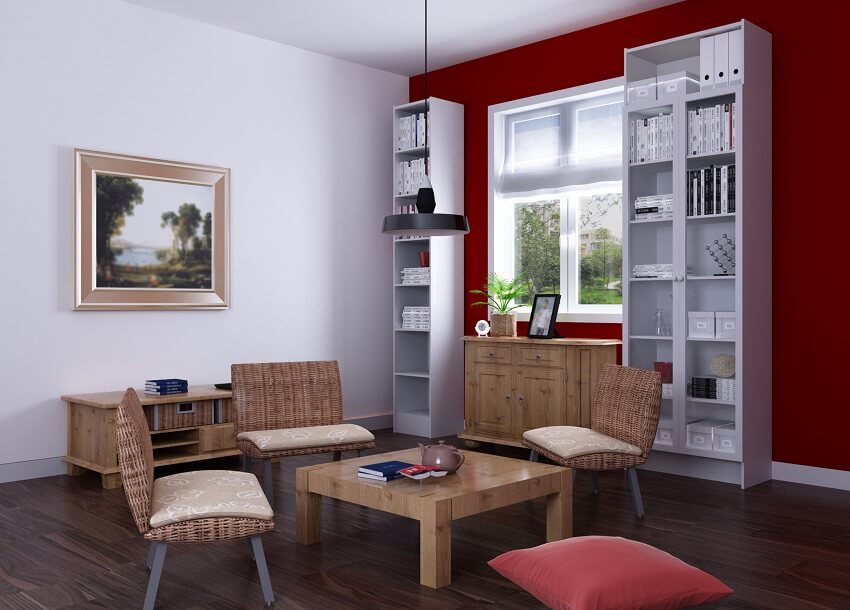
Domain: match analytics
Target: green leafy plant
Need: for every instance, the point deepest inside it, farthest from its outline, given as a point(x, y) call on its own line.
point(501, 292)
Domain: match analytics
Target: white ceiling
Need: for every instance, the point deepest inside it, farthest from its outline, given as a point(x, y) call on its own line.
point(389, 34)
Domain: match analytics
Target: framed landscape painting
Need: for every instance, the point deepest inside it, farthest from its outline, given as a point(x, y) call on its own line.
point(150, 234)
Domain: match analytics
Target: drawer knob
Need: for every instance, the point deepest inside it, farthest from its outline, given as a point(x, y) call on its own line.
point(492, 355)
point(522, 397)
point(537, 357)
point(507, 396)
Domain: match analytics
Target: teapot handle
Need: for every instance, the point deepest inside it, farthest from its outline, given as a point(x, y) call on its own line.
point(462, 458)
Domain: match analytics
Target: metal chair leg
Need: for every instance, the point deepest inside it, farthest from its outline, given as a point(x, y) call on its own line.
point(246, 463)
point(337, 456)
point(359, 451)
point(635, 487)
point(151, 553)
point(594, 481)
point(533, 456)
point(262, 569)
point(158, 551)
point(251, 549)
point(268, 483)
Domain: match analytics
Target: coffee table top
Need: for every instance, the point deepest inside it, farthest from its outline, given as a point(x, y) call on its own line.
point(483, 482)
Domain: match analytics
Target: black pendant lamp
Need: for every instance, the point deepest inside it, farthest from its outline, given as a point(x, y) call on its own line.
point(425, 223)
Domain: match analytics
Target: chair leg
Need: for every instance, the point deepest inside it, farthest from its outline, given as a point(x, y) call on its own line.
point(594, 481)
point(359, 451)
point(262, 569)
point(533, 456)
point(151, 553)
point(246, 463)
point(251, 549)
point(268, 483)
point(337, 456)
point(158, 551)
point(635, 487)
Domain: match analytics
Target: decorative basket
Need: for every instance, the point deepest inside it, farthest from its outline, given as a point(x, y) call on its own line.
point(503, 325)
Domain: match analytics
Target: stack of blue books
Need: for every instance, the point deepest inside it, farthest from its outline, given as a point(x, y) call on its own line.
point(382, 471)
point(161, 387)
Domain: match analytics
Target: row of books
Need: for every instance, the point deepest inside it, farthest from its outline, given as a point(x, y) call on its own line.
point(416, 318)
point(654, 207)
point(416, 276)
point(411, 131)
point(711, 129)
point(659, 270)
point(651, 139)
point(711, 190)
point(410, 176)
point(163, 387)
point(394, 469)
point(408, 208)
point(714, 388)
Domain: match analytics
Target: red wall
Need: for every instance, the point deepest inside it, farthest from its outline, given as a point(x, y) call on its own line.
point(811, 414)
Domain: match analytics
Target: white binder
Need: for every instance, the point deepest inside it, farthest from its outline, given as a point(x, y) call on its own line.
point(706, 63)
point(736, 57)
point(721, 60)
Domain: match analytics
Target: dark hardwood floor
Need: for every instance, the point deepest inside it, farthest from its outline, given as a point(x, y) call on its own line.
point(67, 543)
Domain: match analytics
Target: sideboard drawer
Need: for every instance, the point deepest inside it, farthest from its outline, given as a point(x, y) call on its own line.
point(494, 353)
point(535, 355)
point(179, 415)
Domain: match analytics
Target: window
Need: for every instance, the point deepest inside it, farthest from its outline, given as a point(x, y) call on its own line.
point(556, 205)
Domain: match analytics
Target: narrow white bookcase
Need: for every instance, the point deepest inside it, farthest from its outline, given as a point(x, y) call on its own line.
point(428, 364)
point(694, 286)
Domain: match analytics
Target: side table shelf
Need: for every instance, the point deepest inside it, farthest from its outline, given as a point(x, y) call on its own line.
point(193, 426)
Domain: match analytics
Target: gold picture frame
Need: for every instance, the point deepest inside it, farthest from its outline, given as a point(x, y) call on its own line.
point(150, 234)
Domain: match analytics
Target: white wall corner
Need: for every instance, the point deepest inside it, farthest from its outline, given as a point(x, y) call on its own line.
point(811, 475)
point(32, 469)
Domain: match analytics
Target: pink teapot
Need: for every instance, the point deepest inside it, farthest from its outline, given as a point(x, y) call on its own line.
point(447, 457)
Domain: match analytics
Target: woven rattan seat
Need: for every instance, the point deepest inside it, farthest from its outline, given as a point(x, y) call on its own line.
point(188, 507)
point(625, 411)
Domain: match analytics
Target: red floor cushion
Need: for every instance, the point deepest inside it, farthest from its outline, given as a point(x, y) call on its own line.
point(602, 572)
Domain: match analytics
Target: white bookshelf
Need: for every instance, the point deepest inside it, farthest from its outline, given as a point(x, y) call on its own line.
point(695, 287)
point(428, 364)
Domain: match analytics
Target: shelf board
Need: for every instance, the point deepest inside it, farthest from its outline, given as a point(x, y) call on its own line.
point(712, 401)
point(412, 285)
point(652, 337)
point(727, 155)
point(647, 163)
point(419, 150)
point(406, 196)
point(717, 455)
point(649, 222)
point(412, 330)
point(707, 94)
point(177, 456)
point(419, 374)
point(415, 413)
point(711, 277)
point(727, 216)
point(176, 443)
point(711, 339)
point(650, 279)
point(649, 105)
point(411, 239)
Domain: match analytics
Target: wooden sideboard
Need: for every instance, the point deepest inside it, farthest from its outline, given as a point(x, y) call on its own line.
point(514, 384)
point(195, 425)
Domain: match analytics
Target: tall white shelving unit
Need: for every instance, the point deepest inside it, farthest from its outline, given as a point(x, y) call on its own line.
point(682, 240)
point(428, 364)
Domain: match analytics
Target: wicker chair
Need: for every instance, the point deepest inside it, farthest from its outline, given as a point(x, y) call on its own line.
point(622, 429)
point(201, 506)
point(291, 408)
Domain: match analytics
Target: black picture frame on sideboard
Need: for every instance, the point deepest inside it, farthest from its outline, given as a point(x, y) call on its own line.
point(544, 315)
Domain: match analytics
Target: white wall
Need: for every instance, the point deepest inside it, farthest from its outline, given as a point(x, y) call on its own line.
point(307, 138)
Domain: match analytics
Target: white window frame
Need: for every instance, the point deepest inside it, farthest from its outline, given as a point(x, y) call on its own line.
point(569, 238)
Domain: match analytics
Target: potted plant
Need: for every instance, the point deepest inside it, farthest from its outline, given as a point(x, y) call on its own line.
point(501, 294)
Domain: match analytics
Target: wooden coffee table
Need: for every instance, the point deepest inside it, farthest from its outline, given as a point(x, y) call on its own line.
point(483, 483)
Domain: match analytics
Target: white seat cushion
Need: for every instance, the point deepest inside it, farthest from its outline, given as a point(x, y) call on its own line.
point(572, 441)
point(207, 493)
point(309, 436)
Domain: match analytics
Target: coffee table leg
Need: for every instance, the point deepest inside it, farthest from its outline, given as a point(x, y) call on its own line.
point(559, 510)
point(435, 544)
point(308, 510)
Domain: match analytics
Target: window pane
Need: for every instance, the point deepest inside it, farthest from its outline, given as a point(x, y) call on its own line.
point(536, 142)
point(600, 250)
point(599, 131)
point(537, 246)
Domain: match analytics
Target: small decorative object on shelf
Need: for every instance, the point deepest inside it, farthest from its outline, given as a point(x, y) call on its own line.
point(424, 258)
point(501, 296)
point(723, 365)
point(544, 314)
point(660, 326)
point(446, 457)
point(482, 327)
point(723, 253)
point(666, 370)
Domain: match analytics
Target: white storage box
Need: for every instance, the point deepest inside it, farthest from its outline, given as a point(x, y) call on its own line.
point(664, 434)
point(677, 84)
point(642, 90)
point(725, 438)
point(726, 325)
point(701, 324)
point(701, 433)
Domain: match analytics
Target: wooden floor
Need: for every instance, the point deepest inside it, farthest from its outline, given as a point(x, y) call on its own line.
point(67, 543)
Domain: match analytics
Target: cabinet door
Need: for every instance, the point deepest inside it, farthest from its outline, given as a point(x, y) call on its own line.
point(584, 364)
point(540, 394)
point(489, 405)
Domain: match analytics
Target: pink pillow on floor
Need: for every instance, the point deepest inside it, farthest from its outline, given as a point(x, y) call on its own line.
point(606, 573)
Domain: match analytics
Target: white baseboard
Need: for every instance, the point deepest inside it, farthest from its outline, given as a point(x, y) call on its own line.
point(373, 422)
point(811, 475)
point(32, 469)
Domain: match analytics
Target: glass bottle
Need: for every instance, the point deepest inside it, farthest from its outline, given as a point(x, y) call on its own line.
point(659, 322)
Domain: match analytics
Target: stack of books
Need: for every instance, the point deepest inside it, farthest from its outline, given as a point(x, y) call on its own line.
point(411, 131)
point(410, 176)
point(713, 388)
point(711, 190)
point(654, 207)
point(162, 387)
point(382, 471)
point(666, 390)
point(416, 318)
point(659, 270)
point(416, 276)
point(711, 129)
point(651, 139)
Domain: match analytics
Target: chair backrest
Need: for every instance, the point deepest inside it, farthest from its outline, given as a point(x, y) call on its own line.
point(135, 457)
point(274, 395)
point(627, 405)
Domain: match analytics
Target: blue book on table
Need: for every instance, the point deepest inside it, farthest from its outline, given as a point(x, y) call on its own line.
point(384, 469)
point(163, 383)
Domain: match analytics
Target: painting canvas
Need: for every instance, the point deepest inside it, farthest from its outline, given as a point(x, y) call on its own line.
point(151, 234)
